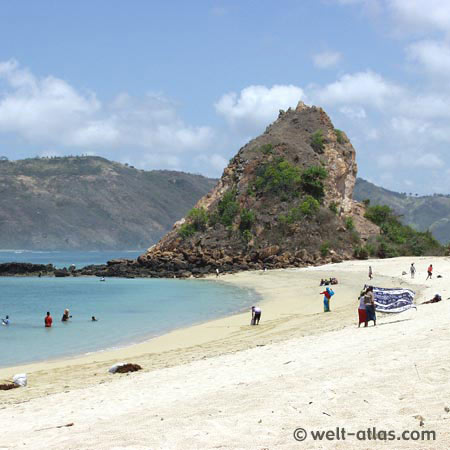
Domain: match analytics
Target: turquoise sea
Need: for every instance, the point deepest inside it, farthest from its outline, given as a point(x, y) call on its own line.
point(128, 310)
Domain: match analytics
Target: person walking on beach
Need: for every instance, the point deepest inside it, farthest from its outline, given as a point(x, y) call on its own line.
point(362, 314)
point(370, 272)
point(217, 272)
point(412, 270)
point(369, 301)
point(48, 320)
point(256, 315)
point(327, 294)
point(430, 272)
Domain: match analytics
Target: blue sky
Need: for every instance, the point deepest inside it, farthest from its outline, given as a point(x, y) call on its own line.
point(183, 85)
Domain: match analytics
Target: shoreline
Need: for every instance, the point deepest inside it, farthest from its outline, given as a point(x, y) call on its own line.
point(291, 307)
point(144, 339)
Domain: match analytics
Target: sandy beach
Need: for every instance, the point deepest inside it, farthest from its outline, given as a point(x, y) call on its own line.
point(225, 384)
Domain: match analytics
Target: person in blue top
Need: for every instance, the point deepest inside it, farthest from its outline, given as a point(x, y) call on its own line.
point(327, 294)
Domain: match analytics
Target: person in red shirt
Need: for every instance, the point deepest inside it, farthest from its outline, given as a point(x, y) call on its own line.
point(430, 271)
point(48, 320)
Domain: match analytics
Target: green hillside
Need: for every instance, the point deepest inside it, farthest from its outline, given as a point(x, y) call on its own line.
point(90, 203)
point(431, 212)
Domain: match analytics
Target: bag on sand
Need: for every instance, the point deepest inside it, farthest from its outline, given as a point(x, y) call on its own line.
point(20, 379)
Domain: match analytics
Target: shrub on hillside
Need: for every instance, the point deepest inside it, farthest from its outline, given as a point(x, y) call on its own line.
point(228, 208)
point(317, 141)
point(312, 182)
point(397, 239)
point(199, 218)
point(339, 136)
point(277, 177)
point(247, 219)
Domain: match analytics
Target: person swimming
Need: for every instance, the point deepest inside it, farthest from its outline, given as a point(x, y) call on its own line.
point(94, 319)
point(5, 321)
point(66, 316)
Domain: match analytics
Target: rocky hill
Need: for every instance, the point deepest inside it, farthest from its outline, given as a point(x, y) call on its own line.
point(284, 200)
point(90, 203)
point(430, 212)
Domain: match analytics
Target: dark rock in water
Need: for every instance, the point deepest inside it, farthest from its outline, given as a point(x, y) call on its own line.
point(21, 268)
point(62, 273)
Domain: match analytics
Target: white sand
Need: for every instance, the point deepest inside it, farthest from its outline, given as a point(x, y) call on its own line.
point(233, 386)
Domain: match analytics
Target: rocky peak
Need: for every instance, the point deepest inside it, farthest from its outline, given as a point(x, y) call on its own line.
point(285, 199)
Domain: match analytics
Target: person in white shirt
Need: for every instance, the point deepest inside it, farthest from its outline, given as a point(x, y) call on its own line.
point(256, 315)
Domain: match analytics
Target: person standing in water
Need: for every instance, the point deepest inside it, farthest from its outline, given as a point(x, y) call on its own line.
point(430, 272)
point(412, 270)
point(65, 316)
point(48, 320)
point(370, 272)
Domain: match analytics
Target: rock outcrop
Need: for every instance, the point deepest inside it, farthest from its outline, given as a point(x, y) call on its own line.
point(268, 210)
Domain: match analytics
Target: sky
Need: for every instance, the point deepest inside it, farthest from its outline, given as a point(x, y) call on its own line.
point(183, 85)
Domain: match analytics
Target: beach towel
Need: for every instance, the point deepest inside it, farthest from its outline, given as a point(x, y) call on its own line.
point(394, 300)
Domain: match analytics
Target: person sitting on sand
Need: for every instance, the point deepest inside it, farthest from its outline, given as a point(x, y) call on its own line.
point(327, 294)
point(322, 282)
point(437, 298)
point(430, 272)
point(369, 301)
point(256, 315)
point(94, 319)
point(5, 321)
point(65, 316)
point(362, 314)
point(48, 320)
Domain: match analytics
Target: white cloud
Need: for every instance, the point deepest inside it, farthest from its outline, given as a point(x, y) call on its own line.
point(362, 88)
point(429, 14)
point(325, 60)
point(353, 113)
point(433, 56)
point(428, 161)
point(256, 106)
point(396, 160)
point(50, 112)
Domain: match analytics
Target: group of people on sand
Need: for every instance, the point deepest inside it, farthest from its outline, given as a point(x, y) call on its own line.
point(326, 282)
point(412, 272)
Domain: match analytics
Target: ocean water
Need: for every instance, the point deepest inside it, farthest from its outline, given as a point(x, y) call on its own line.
point(128, 311)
